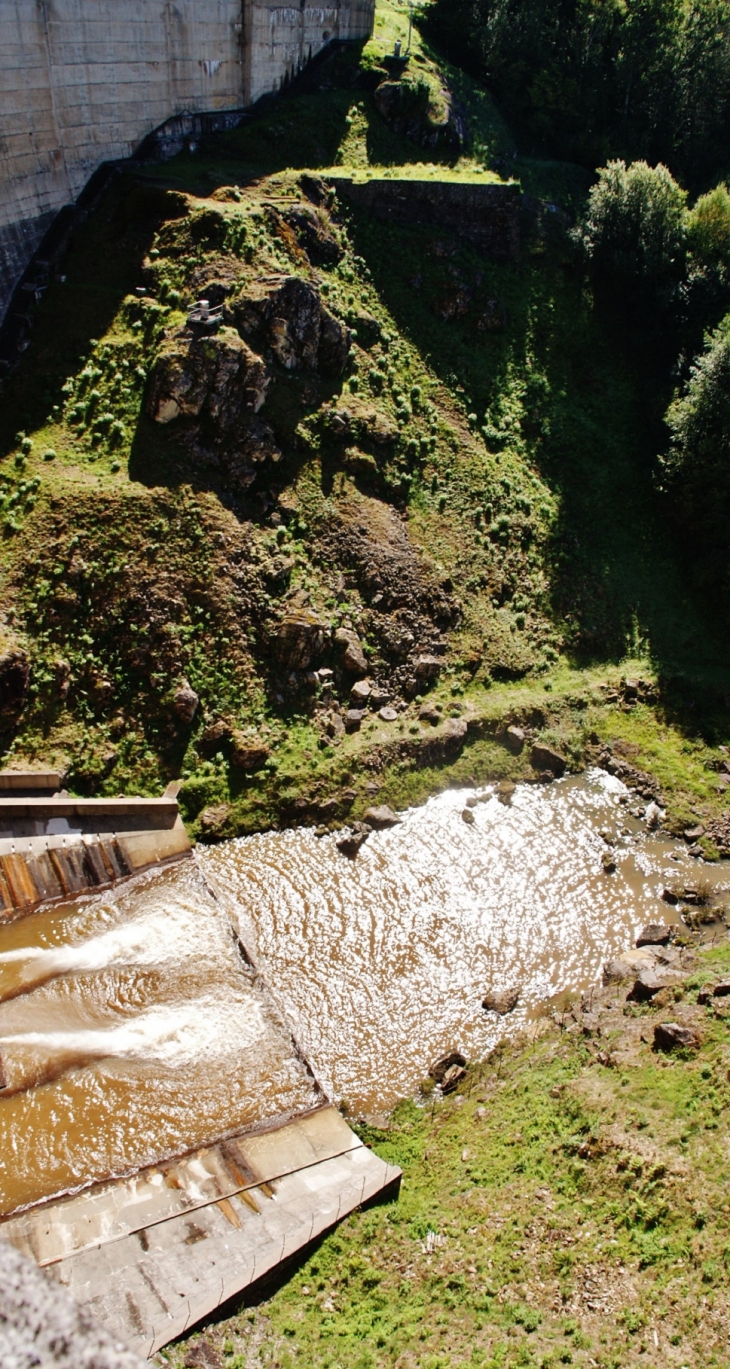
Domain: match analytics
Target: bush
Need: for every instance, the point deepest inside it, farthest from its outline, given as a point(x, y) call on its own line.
point(635, 231)
point(708, 227)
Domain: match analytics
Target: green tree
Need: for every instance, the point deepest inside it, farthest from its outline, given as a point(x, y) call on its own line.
point(634, 230)
point(696, 468)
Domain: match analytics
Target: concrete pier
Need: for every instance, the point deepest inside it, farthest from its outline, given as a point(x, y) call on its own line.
point(54, 847)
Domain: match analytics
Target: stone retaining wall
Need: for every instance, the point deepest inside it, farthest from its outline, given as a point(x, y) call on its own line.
point(485, 215)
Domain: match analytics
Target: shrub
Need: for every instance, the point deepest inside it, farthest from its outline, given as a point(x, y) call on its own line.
point(696, 469)
point(634, 231)
point(708, 227)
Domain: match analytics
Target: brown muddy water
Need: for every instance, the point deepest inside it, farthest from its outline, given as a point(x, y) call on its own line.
point(382, 963)
point(131, 1029)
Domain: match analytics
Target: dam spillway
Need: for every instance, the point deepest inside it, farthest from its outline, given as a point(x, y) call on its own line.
point(163, 1141)
point(166, 1132)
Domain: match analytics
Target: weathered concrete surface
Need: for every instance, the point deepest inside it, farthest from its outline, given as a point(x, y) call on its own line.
point(84, 81)
point(152, 1254)
point(56, 847)
point(41, 1326)
point(486, 215)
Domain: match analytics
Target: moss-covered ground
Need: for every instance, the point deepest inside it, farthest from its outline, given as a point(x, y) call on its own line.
point(568, 1206)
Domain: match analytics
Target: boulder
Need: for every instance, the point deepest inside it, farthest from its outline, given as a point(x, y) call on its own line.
point(351, 842)
point(452, 1078)
point(381, 817)
point(514, 740)
point(353, 719)
point(247, 754)
point(614, 971)
point(220, 377)
point(670, 896)
point(656, 934)
point(445, 744)
point(501, 1001)
point(429, 713)
point(352, 656)
point(215, 737)
point(361, 691)
point(287, 318)
point(467, 816)
point(646, 985)
point(506, 792)
point(440, 1068)
point(428, 668)
point(544, 758)
point(185, 702)
point(710, 991)
point(671, 1036)
point(214, 819)
point(299, 639)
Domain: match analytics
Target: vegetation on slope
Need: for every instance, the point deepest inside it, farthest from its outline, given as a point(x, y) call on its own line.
point(471, 484)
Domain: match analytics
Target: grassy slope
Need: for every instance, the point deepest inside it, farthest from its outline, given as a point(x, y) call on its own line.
point(532, 491)
point(579, 1209)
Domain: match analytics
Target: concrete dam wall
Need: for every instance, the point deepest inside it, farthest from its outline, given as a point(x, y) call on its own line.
point(84, 81)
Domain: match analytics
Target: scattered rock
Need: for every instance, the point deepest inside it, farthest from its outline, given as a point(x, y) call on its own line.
point(388, 715)
point(468, 816)
point(213, 819)
point(543, 758)
point(441, 1067)
point(693, 834)
point(429, 713)
point(353, 657)
point(670, 896)
point(670, 1036)
point(379, 698)
point(502, 1001)
point(299, 639)
point(360, 692)
point(506, 792)
point(514, 740)
point(656, 934)
point(185, 702)
point(247, 754)
point(381, 817)
point(353, 719)
point(646, 985)
point(202, 1356)
point(710, 991)
point(608, 861)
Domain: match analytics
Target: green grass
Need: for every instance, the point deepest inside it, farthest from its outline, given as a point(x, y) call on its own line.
point(580, 1216)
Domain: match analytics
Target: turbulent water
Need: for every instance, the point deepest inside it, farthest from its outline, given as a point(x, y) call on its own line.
point(131, 1028)
point(383, 962)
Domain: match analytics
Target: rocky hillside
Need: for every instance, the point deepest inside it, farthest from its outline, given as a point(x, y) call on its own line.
point(380, 497)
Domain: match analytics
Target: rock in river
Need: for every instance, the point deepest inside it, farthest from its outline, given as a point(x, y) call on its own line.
point(381, 817)
point(502, 1001)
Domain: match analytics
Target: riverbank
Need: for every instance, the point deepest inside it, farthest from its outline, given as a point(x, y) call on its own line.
point(567, 1205)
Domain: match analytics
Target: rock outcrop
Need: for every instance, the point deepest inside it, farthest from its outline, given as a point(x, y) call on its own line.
point(286, 320)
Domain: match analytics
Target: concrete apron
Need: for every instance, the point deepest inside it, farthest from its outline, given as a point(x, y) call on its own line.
point(152, 1254)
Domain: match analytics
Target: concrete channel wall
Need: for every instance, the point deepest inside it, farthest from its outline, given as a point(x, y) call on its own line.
point(85, 81)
